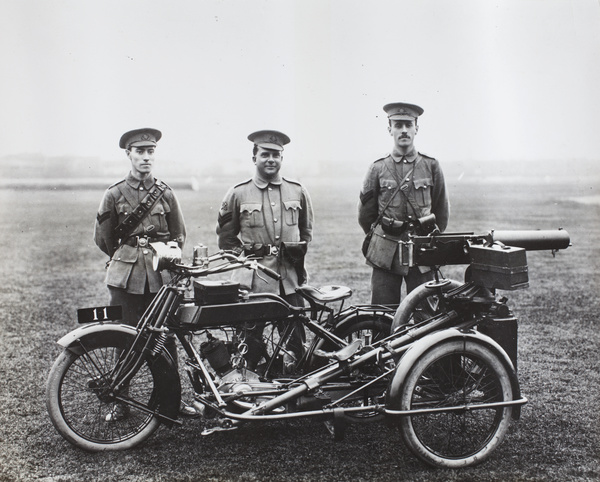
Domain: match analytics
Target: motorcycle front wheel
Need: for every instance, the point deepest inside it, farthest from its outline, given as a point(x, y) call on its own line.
point(450, 375)
point(84, 411)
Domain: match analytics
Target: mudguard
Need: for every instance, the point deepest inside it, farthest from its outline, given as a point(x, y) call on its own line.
point(418, 349)
point(164, 369)
point(353, 318)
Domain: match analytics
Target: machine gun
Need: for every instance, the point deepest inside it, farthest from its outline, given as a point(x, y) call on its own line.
point(497, 259)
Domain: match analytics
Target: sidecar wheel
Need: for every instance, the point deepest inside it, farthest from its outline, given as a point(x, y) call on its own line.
point(456, 373)
point(78, 406)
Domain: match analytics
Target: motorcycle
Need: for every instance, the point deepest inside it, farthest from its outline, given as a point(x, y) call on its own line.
point(438, 367)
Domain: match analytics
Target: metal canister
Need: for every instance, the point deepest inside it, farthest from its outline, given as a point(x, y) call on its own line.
point(200, 255)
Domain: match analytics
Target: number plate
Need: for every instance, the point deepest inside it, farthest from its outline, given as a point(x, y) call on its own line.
point(100, 313)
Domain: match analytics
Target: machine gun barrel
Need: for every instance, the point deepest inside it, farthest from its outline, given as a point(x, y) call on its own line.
point(533, 240)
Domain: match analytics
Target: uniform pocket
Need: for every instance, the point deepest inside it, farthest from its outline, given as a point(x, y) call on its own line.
point(158, 218)
point(387, 190)
point(121, 266)
point(423, 191)
point(292, 212)
point(251, 215)
point(123, 210)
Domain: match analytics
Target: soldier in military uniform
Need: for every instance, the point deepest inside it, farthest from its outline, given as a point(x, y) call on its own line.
point(131, 280)
point(258, 217)
point(397, 191)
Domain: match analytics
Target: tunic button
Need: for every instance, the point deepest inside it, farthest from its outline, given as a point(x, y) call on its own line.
point(405, 161)
point(275, 220)
point(272, 204)
point(277, 237)
point(145, 251)
point(141, 188)
point(270, 189)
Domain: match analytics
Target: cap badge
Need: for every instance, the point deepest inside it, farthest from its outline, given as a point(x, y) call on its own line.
point(145, 137)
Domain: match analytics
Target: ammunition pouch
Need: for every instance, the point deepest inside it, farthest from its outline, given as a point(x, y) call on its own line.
point(426, 225)
point(393, 226)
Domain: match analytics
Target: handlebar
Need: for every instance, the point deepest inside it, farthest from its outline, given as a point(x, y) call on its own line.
point(168, 256)
point(269, 272)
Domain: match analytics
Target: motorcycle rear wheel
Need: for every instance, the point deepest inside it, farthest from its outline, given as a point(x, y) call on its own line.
point(370, 329)
point(78, 405)
point(453, 374)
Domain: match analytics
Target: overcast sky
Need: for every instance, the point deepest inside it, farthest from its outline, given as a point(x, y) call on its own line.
point(498, 79)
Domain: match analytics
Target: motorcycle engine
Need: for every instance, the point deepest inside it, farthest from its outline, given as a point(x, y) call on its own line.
point(242, 381)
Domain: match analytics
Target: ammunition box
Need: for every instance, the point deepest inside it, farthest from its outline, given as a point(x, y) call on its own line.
point(499, 267)
point(503, 331)
point(208, 292)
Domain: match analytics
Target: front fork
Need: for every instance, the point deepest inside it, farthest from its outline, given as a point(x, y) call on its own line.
point(149, 341)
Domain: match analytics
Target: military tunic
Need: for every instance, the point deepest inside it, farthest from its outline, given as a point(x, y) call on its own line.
point(258, 214)
point(423, 193)
point(130, 266)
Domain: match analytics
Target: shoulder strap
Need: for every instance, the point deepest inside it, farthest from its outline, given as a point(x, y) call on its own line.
point(133, 220)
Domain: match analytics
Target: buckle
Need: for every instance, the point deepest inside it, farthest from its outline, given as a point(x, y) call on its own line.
point(273, 250)
point(142, 242)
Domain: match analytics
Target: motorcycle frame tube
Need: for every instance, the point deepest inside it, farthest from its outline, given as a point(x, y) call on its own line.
point(420, 347)
point(168, 383)
point(206, 376)
point(346, 316)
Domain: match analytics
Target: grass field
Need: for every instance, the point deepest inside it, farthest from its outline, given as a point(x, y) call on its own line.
point(50, 267)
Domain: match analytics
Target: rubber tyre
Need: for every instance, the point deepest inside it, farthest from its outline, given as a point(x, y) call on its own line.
point(453, 373)
point(79, 414)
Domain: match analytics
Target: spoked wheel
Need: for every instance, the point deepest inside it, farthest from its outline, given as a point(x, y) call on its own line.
point(369, 329)
point(83, 408)
point(456, 374)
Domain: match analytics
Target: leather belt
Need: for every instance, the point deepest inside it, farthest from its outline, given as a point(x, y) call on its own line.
point(140, 241)
point(393, 226)
point(262, 250)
